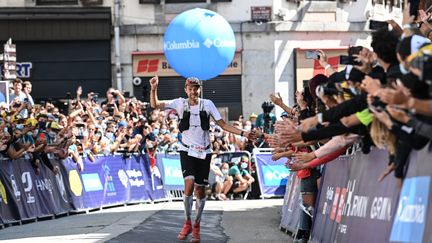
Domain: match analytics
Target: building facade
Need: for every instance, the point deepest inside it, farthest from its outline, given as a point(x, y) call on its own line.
point(271, 36)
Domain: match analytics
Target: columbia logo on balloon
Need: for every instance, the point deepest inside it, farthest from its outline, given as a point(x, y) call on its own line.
point(188, 44)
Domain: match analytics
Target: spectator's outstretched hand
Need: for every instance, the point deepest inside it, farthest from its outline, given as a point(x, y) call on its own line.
point(322, 58)
point(424, 17)
point(398, 96)
point(371, 85)
point(304, 157)
point(252, 135)
point(276, 99)
point(295, 166)
point(308, 123)
point(399, 115)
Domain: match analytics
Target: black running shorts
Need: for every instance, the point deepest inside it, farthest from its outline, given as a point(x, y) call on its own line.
point(197, 168)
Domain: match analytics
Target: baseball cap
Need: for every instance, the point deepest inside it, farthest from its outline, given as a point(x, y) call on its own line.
point(193, 81)
point(284, 114)
point(253, 115)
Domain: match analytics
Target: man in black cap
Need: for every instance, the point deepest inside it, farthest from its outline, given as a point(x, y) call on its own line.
point(195, 156)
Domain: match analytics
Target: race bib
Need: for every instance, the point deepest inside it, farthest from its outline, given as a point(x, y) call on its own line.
point(197, 152)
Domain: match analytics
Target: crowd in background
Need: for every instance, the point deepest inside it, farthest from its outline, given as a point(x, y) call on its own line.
point(95, 126)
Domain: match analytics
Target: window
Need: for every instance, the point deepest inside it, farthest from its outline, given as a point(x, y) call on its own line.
point(56, 2)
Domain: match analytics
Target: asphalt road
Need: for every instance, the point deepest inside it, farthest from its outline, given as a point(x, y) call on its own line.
point(229, 221)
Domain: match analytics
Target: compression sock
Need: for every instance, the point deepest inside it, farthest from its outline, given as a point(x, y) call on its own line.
point(188, 201)
point(200, 203)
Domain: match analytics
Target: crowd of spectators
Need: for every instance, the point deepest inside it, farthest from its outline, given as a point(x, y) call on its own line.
point(94, 126)
point(381, 98)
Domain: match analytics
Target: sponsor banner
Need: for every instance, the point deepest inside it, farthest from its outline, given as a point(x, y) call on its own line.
point(73, 184)
point(353, 206)
point(111, 180)
point(171, 171)
point(61, 196)
point(8, 199)
point(290, 210)
point(25, 191)
point(107, 181)
point(48, 195)
point(113, 190)
point(413, 222)
point(149, 65)
point(272, 175)
point(154, 181)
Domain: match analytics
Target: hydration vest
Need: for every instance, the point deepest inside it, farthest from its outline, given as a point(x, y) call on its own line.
point(185, 117)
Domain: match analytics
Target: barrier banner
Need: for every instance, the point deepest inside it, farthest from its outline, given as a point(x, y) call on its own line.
point(62, 195)
point(272, 175)
point(171, 171)
point(111, 180)
point(8, 204)
point(22, 176)
point(353, 206)
point(48, 194)
point(413, 221)
point(112, 174)
point(73, 184)
point(153, 176)
point(290, 208)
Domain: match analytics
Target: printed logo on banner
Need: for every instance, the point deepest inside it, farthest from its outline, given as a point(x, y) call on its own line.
point(173, 172)
point(28, 183)
point(344, 202)
point(3, 196)
point(109, 182)
point(17, 192)
point(275, 175)
point(44, 185)
point(133, 177)
point(410, 219)
point(61, 187)
point(75, 183)
point(92, 182)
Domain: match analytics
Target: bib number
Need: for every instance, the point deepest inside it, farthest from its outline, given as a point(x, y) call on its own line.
point(197, 152)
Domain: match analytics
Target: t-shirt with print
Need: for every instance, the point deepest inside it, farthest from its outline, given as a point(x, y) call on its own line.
point(194, 135)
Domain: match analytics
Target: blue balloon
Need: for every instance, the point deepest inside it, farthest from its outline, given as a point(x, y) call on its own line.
point(199, 43)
